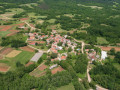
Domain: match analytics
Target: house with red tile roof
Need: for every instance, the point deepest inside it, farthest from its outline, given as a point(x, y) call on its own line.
point(31, 38)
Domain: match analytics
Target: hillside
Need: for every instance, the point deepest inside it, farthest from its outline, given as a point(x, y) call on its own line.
point(59, 44)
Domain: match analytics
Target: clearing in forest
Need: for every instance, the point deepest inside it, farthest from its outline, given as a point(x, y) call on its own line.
point(67, 87)
point(101, 40)
point(13, 53)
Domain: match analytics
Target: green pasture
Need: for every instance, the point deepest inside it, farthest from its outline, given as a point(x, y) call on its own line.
point(67, 87)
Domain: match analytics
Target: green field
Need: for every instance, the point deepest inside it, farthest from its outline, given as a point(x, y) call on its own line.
point(81, 75)
point(116, 65)
point(67, 87)
point(24, 57)
point(52, 20)
point(101, 40)
point(4, 33)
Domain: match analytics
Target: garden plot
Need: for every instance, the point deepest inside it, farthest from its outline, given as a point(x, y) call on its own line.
point(4, 67)
point(42, 67)
point(13, 53)
point(28, 64)
point(6, 28)
point(27, 48)
point(58, 69)
point(37, 73)
point(5, 51)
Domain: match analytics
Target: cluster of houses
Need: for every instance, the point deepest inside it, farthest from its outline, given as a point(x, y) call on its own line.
point(55, 47)
point(92, 55)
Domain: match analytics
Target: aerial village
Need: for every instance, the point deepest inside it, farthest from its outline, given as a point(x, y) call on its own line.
point(53, 47)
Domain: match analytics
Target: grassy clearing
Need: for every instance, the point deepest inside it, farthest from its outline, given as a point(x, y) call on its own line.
point(92, 7)
point(116, 65)
point(69, 15)
point(4, 33)
point(52, 20)
point(81, 75)
point(24, 57)
point(67, 87)
point(101, 40)
point(14, 10)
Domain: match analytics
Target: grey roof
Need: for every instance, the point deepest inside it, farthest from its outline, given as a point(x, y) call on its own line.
point(36, 57)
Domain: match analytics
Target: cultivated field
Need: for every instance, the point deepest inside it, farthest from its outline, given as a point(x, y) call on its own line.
point(24, 57)
point(4, 67)
point(1, 56)
point(29, 63)
point(101, 40)
point(13, 53)
point(27, 48)
point(109, 48)
point(42, 67)
point(58, 69)
point(5, 51)
point(4, 33)
point(37, 73)
point(6, 28)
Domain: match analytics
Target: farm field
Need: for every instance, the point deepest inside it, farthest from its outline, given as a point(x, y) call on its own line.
point(58, 69)
point(37, 73)
point(27, 48)
point(5, 51)
point(4, 67)
point(13, 53)
point(16, 56)
point(101, 40)
point(67, 87)
point(4, 33)
point(24, 57)
point(109, 48)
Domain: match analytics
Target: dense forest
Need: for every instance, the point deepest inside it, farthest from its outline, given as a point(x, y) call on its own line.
point(103, 23)
point(19, 1)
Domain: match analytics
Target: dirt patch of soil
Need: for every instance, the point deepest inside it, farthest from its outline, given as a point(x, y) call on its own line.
point(6, 28)
point(29, 63)
point(109, 48)
point(4, 67)
point(27, 48)
point(58, 69)
point(5, 51)
point(42, 67)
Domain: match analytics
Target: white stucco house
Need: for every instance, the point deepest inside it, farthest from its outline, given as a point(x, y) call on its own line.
point(103, 55)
